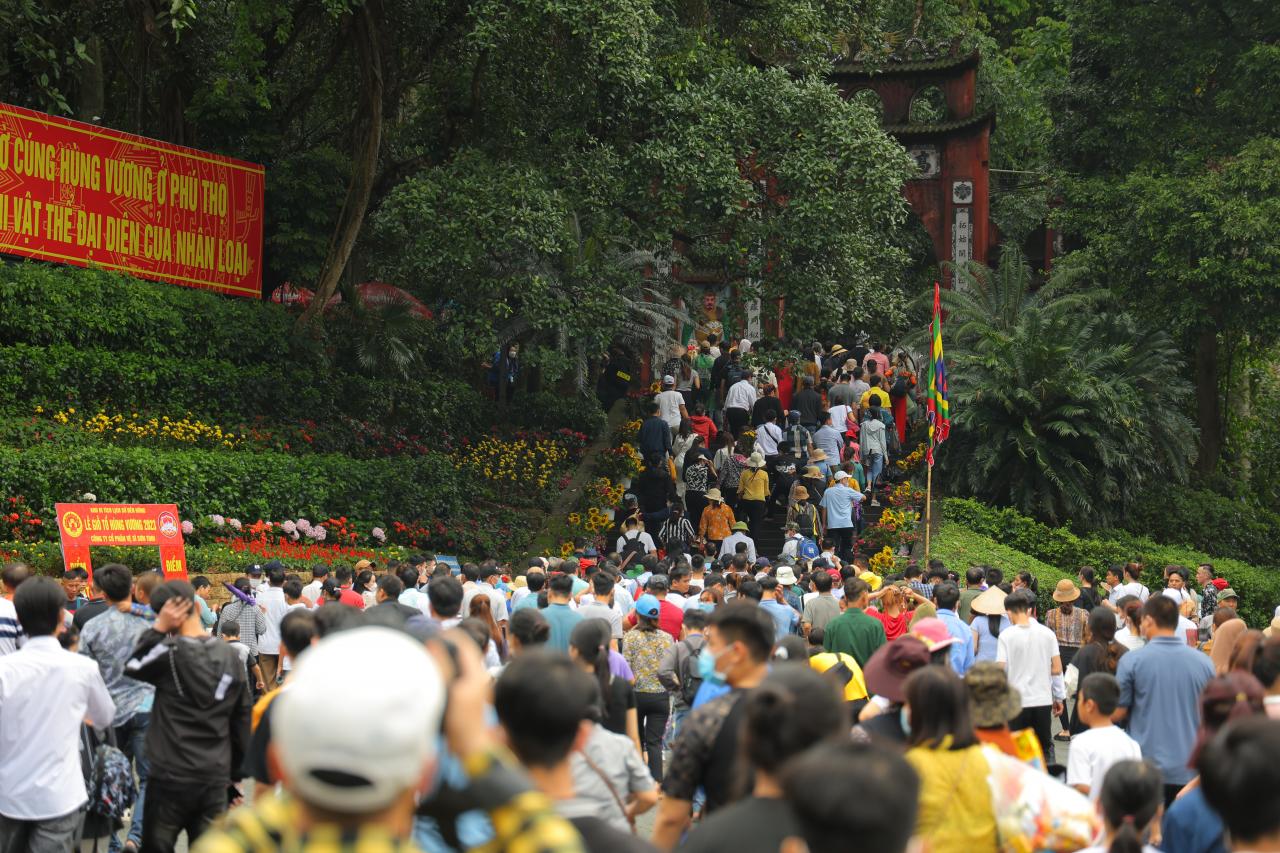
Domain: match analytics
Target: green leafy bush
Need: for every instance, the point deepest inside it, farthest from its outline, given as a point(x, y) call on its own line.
point(1259, 587)
point(549, 411)
point(1224, 526)
point(249, 486)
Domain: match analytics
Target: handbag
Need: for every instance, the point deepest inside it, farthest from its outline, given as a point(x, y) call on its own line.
point(595, 768)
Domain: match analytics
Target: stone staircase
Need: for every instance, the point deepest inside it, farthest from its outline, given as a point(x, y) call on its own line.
point(769, 544)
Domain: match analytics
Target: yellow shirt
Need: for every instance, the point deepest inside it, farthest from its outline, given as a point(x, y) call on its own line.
point(753, 485)
point(717, 522)
point(956, 814)
point(865, 402)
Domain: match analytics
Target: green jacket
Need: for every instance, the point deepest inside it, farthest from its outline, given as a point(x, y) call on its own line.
point(854, 633)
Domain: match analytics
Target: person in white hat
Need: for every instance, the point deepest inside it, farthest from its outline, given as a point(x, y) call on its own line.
point(671, 404)
point(362, 786)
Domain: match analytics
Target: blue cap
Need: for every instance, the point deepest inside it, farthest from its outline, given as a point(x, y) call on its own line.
point(648, 606)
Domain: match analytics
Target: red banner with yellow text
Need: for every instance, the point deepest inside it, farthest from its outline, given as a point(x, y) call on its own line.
point(83, 526)
point(86, 195)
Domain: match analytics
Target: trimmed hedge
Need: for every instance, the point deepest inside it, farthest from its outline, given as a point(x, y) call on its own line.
point(958, 548)
point(93, 339)
point(46, 305)
point(46, 558)
point(248, 486)
point(91, 378)
point(1259, 588)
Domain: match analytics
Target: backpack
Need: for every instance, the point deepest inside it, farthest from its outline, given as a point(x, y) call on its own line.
point(690, 681)
point(807, 520)
point(633, 550)
point(703, 364)
point(111, 787)
point(735, 373)
point(808, 549)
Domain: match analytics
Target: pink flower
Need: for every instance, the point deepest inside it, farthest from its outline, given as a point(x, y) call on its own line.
point(289, 527)
point(217, 520)
point(379, 534)
point(188, 528)
point(318, 533)
point(234, 523)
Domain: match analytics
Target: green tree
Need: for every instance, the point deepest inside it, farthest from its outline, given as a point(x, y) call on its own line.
point(1063, 408)
point(1171, 158)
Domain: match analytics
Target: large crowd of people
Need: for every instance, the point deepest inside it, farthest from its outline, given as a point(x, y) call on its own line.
point(676, 690)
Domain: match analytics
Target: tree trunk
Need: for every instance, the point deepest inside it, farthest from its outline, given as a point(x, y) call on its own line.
point(367, 28)
point(91, 101)
point(1208, 405)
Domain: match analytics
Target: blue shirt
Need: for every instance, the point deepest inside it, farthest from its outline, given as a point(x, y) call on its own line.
point(784, 618)
point(988, 643)
point(838, 501)
point(962, 651)
point(1160, 684)
point(1192, 826)
point(828, 440)
point(562, 620)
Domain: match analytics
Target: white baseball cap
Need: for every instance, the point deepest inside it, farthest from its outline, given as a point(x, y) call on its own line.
point(391, 686)
point(842, 475)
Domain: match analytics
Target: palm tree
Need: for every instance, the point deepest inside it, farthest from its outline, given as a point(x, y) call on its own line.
point(1062, 408)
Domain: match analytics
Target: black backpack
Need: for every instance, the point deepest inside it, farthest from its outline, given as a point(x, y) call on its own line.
point(690, 681)
point(632, 550)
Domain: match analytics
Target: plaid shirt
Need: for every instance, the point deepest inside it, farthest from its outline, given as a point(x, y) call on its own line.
point(523, 820)
point(925, 589)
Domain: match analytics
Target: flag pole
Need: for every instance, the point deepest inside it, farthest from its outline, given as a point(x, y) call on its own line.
point(928, 512)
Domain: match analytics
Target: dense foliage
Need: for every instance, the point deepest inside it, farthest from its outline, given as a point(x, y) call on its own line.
point(1064, 409)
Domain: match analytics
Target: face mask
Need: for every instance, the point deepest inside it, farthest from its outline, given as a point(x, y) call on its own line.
point(904, 720)
point(708, 606)
point(707, 668)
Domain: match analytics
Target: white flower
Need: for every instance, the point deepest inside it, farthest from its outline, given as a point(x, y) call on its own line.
point(379, 534)
point(233, 523)
point(88, 496)
point(217, 520)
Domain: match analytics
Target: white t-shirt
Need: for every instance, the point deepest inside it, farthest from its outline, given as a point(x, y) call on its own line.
point(669, 403)
point(767, 438)
point(1093, 752)
point(1027, 651)
point(741, 395)
point(271, 600)
point(1134, 588)
point(1178, 595)
point(840, 417)
point(645, 539)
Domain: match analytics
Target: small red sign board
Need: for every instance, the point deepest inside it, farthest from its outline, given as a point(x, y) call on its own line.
point(83, 526)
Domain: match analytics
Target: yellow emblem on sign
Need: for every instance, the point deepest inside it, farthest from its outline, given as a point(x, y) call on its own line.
point(72, 524)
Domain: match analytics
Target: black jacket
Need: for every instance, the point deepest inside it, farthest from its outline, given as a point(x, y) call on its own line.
point(200, 722)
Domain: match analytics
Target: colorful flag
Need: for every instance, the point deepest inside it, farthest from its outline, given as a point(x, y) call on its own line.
point(939, 409)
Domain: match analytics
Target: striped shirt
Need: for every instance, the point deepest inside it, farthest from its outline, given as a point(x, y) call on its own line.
point(11, 636)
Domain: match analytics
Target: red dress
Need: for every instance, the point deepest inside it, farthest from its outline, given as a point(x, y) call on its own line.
point(894, 626)
point(786, 385)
